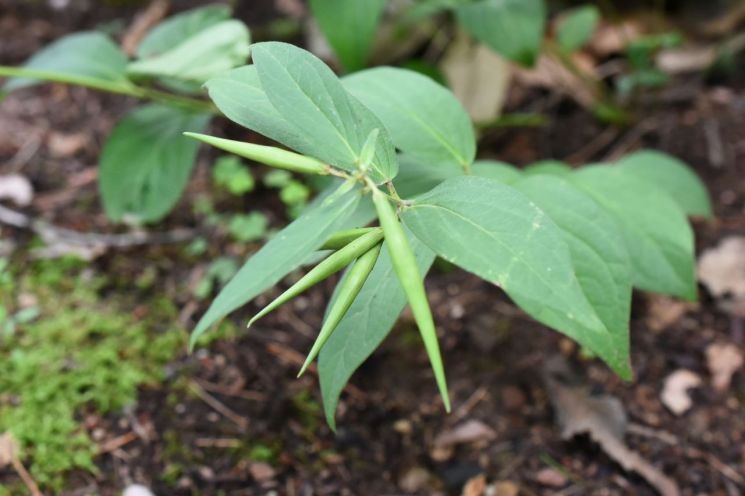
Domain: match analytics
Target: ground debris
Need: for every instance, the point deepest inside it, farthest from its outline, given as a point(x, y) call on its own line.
point(722, 270)
point(16, 188)
point(602, 418)
point(675, 391)
point(468, 432)
point(723, 360)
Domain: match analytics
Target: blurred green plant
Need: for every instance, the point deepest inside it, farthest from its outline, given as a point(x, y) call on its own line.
point(80, 356)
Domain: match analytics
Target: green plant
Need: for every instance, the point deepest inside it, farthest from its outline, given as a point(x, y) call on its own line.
point(566, 245)
point(513, 28)
point(82, 356)
point(146, 162)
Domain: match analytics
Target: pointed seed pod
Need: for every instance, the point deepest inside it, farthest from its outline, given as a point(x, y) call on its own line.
point(328, 267)
point(267, 155)
point(351, 286)
point(407, 270)
point(342, 238)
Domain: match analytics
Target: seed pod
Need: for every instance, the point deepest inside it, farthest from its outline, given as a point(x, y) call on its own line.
point(267, 155)
point(342, 238)
point(351, 286)
point(328, 267)
point(407, 270)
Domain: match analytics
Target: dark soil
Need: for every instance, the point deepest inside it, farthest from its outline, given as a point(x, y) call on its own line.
point(391, 414)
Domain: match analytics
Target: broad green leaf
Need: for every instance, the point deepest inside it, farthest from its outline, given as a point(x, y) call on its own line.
point(426, 121)
point(576, 27)
point(673, 176)
point(657, 234)
point(239, 95)
point(497, 233)
point(146, 162)
point(416, 177)
point(216, 49)
point(349, 27)
point(306, 93)
point(494, 169)
point(282, 254)
point(547, 167)
point(513, 28)
point(87, 58)
point(174, 30)
point(600, 261)
point(367, 322)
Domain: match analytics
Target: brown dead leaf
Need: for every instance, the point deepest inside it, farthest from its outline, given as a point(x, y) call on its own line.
point(550, 73)
point(467, 432)
point(722, 270)
point(503, 488)
point(16, 188)
point(550, 477)
point(478, 77)
point(8, 449)
point(675, 391)
point(663, 311)
point(63, 145)
point(610, 39)
point(603, 419)
point(723, 360)
point(475, 486)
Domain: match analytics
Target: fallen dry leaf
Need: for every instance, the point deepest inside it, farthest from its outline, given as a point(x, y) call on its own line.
point(550, 477)
point(17, 188)
point(478, 76)
point(63, 145)
point(503, 488)
point(261, 471)
point(723, 360)
point(663, 311)
point(550, 73)
point(722, 270)
point(475, 486)
point(675, 391)
point(609, 39)
point(603, 419)
point(467, 432)
point(8, 449)
point(414, 480)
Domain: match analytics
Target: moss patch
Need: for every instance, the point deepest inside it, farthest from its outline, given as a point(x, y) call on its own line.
point(82, 354)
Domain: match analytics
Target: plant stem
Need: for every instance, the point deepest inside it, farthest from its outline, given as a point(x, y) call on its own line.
point(122, 87)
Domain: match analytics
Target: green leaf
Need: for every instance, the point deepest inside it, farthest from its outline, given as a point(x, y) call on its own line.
point(673, 176)
point(87, 58)
point(216, 49)
point(174, 30)
point(513, 28)
point(416, 177)
point(349, 27)
point(367, 322)
point(576, 27)
point(285, 252)
point(656, 230)
point(306, 93)
point(425, 119)
point(494, 169)
point(239, 95)
point(601, 262)
point(146, 162)
point(230, 173)
point(548, 167)
point(248, 227)
point(497, 233)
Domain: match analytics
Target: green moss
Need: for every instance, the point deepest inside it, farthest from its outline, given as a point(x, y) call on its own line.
point(81, 355)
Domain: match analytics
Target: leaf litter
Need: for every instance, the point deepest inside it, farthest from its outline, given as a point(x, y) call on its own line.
point(602, 418)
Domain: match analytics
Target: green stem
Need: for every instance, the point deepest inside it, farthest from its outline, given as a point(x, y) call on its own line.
point(122, 87)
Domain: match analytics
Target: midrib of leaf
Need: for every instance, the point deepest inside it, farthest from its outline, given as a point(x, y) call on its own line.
point(320, 110)
point(434, 132)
